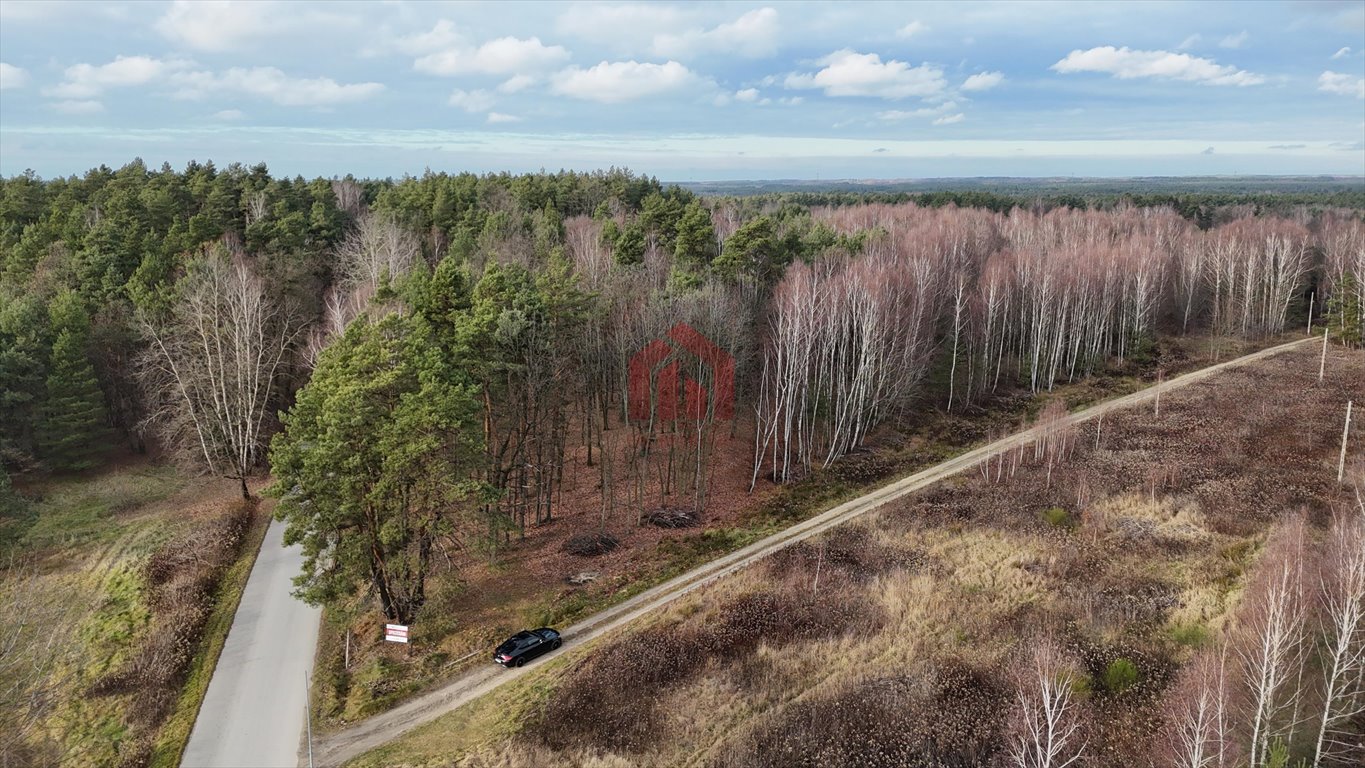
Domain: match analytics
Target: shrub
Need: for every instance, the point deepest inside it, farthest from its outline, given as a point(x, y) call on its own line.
point(1056, 517)
point(1192, 635)
point(1120, 675)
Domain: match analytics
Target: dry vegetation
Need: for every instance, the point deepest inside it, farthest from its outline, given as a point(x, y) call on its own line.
point(113, 590)
point(917, 637)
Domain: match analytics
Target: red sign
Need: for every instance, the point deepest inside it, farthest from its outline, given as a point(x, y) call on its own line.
point(656, 368)
point(396, 633)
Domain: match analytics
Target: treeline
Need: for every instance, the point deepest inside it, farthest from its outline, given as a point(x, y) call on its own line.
point(1204, 209)
point(440, 346)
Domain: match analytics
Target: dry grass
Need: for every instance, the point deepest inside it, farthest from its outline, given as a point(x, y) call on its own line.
point(900, 652)
point(89, 544)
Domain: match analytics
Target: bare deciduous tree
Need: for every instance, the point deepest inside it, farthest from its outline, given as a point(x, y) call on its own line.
point(1197, 718)
point(378, 247)
point(211, 369)
point(1271, 641)
point(1342, 598)
point(1047, 725)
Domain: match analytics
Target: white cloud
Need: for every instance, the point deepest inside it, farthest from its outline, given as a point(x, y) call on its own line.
point(214, 25)
point(1342, 84)
point(849, 73)
point(896, 115)
point(1234, 41)
point(471, 101)
point(503, 56)
point(620, 26)
point(1190, 41)
point(950, 119)
point(753, 35)
point(983, 81)
point(498, 117)
point(228, 115)
point(1127, 64)
point(617, 81)
point(442, 35)
point(77, 106)
point(1342, 53)
point(516, 83)
point(12, 77)
point(217, 26)
point(747, 95)
point(272, 84)
point(910, 30)
point(84, 81)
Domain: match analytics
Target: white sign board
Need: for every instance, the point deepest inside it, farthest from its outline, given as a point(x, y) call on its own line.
point(396, 633)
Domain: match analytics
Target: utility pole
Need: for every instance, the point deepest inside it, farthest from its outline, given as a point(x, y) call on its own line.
point(1322, 366)
point(1345, 432)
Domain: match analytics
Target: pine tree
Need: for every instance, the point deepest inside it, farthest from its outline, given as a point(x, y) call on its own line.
point(1344, 312)
point(74, 431)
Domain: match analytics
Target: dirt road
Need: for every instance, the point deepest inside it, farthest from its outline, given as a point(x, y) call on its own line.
point(344, 745)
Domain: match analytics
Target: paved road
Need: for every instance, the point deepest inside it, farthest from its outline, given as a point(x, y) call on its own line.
point(253, 713)
point(368, 734)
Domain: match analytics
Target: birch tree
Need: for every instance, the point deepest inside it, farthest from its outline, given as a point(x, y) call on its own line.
point(1272, 643)
point(1343, 653)
point(1197, 717)
point(212, 366)
point(1047, 726)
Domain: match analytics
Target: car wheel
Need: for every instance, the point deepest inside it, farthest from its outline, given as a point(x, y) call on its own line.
point(521, 661)
point(555, 645)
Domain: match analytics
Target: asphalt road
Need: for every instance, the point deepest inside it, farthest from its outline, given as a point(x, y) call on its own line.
point(253, 713)
point(357, 739)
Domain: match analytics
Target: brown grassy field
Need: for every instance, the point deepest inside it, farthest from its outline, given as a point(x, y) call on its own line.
point(891, 641)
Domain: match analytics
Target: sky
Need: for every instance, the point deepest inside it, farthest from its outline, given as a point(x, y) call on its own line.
point(688, 91)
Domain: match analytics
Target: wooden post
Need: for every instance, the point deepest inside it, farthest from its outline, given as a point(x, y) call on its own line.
point(1346, 431)
point(1311, 297)
point(815, 587)
point(1160, 378)
point(1322, 366)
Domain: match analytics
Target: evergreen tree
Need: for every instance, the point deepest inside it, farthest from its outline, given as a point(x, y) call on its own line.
point(1344, 312)
point(629, 247)
point(75, 430)
point(376, 454)
point(695, 245)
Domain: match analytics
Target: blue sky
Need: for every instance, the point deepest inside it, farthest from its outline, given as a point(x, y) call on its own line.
point(688, 91)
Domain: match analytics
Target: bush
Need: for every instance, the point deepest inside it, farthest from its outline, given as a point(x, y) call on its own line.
point(1120, 675)
point(1192, 635)
point(1056, 517)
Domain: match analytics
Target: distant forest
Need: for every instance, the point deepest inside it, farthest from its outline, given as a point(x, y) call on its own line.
point(1183, 193)
point(413, 356)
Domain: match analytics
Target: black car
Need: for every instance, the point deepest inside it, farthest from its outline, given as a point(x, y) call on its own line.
point(526, 645)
